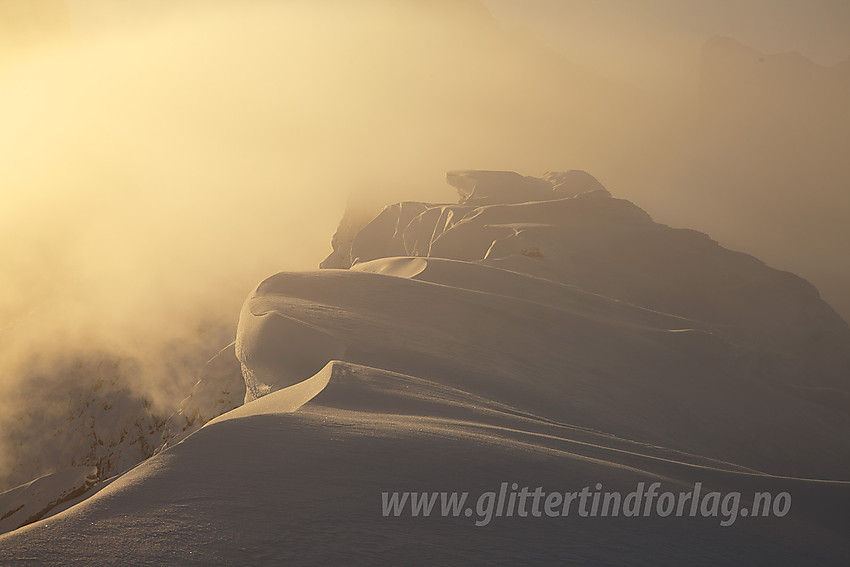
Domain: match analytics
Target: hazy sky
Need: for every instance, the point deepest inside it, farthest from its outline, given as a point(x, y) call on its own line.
point(658, 40)
point(662, 37)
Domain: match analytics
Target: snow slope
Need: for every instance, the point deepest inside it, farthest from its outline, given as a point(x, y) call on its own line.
point(603, 356)
point(266, 486)
point(31, 501)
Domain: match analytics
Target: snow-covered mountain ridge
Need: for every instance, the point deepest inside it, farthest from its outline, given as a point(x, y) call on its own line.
point(540, 332)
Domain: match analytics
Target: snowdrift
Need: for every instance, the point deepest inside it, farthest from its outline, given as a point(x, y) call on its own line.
point(562, 342)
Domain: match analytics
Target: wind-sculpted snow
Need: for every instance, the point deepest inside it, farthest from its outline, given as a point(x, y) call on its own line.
point(564, 353)
point(612, 247)
point(296, 476)
point(557, 343)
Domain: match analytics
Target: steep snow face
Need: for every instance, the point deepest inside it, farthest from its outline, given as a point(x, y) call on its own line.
point(280, 350)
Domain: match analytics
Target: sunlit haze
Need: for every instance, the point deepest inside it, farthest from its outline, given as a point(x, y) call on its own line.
point(161, 158)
